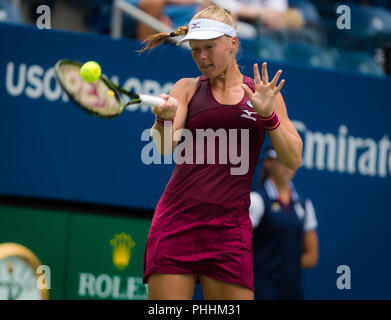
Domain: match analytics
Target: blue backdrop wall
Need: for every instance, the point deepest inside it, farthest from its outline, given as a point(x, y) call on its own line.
point(50, 149)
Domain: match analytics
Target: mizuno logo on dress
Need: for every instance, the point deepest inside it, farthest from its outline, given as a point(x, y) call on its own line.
point(248, 115)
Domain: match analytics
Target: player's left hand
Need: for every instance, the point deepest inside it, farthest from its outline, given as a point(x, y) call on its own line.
point(265, 92)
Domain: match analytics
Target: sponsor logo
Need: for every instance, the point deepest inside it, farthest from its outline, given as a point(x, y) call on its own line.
point(248, 115)
point(122, 250)
point(343, 153)
point(195, 25)
point(106, 286)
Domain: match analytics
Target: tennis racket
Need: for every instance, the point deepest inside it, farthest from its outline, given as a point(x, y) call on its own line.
point(101, 98)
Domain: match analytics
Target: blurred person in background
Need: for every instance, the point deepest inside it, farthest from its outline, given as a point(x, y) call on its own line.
point(272, 14)
point(285, 239)
point(185, 9)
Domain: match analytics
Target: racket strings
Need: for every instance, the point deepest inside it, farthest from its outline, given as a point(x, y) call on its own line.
point(96, 97)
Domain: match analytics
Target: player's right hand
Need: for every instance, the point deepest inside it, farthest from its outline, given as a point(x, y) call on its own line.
point(167, 109)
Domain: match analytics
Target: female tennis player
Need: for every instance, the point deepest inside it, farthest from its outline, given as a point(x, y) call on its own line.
point(201, 229)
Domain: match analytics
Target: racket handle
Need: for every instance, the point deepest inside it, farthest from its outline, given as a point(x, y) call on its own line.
point(150, 100)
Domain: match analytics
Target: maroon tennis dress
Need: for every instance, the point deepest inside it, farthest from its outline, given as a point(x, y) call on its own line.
point(201, 224)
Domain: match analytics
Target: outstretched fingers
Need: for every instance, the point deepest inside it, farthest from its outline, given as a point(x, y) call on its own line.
point(264, 81)
point(265, 76)
point(257, 76)
point(275, 79)
point(279, 87)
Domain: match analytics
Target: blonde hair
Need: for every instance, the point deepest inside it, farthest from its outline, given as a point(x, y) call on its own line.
point(212, 12)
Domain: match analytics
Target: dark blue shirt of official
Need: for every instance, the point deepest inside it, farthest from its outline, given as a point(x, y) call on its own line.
point(278, 242)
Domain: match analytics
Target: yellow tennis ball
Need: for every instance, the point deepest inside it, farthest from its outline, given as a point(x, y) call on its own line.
point(90, 71)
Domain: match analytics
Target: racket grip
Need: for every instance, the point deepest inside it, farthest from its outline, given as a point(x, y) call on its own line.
point(150, 100)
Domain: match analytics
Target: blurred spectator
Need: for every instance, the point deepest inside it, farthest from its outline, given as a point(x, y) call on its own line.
point(156, 8)
point(273, 14)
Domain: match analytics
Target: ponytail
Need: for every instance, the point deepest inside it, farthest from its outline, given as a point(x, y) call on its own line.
point(160, 38)
point(212, 12)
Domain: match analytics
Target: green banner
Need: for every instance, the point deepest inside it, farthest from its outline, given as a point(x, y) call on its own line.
point(84, 256)
point(106, 257)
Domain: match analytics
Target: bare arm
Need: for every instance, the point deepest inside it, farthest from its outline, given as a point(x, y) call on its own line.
point(310, 255)
point(285, 139)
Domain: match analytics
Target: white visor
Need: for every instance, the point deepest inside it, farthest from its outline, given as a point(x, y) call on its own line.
point(204, 29)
